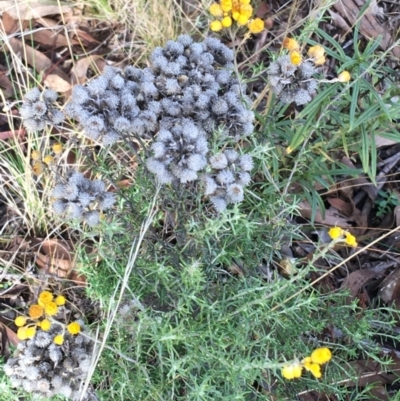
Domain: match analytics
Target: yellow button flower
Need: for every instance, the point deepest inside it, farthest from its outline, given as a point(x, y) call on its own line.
point(236, 15)
point(256, 25)
point(35, 311)
point(321, 355)
point(57, 148)
point(216, 10)
point(38, 167)
point(295, 57)
point(74, 328)
point(314, 368)
point(226, 5)
point(49, 160)
point(344, 77)
point(335, 232)
point(30, 332)
point(59, 339)
point(216, 26)
point(317, 53)
point(242, 20)
point(45, 297)
point(226, 22)
point(246, 10)
point(51, 309)
point(36, 155)
point(290, 44)
point(292, 371)
point(245, 1)
point(45, 325)
point(21, 333)
point(350, 240)
point(60, 300)
point(20, 321)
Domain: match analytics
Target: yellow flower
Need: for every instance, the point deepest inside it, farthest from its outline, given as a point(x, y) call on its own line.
point(45, 325)
point(226, 5)
point(36, 155)
point(60, 300)
point(242, 20)
point(58, 147)
point(314, 368)
point(236, 15)
point(317, 52)
point(216, 10)
point(245, 1)
point(45, 297)
point(320, 60)
point(246, 10)
point(256, 25)
point(20, 321)
point(335, 232)
point(292, 371)
point(21, 333)
point(216, 26)
point(226, 22)
point(295, 57)
point(38, 167)
point(59, 339)
point(48, 160)
point(74, 328)
point(344, 76)
point(30, 332)
point(51, 308)
point(321, 355)
point(350, 240)
point(35, 311)
point(290, 44)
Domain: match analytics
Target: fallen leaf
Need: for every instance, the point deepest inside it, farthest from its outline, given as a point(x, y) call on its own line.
point(10, 24)
point(51, 39)
point(79, 70)
point(331, 218)
point(344, 207)
point(6, 85)
point(389, 289)
point(356, 280)
point(27, 10)
point(57, 83)
point(35, 58)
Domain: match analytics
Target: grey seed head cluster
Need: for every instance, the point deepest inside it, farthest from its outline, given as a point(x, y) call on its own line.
point(38, 108)
point(80, 198)
point(293, 83)
point(45, 369)
point(185, 79)
point(230, 174)
point(199, 94)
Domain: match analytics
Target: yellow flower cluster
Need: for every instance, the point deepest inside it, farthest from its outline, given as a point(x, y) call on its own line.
point(311, 364)
point(227, 11)
point(39, 163)
point(340, 235)
point(315, 53)
point(47, 306)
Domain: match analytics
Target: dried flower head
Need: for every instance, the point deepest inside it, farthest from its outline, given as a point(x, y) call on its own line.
point(35, 311)
point(344, 77)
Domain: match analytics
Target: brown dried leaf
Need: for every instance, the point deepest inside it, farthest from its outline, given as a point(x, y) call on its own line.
point(35, 58)
point(389, 289)
point(9, 24)
point(369, 26)
point(6, 85)
point(79, 71)
point(356, 280)
point(331, 217)
point(56, 83)
point(27, 10)
point(344, 207)
point(51, 39)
